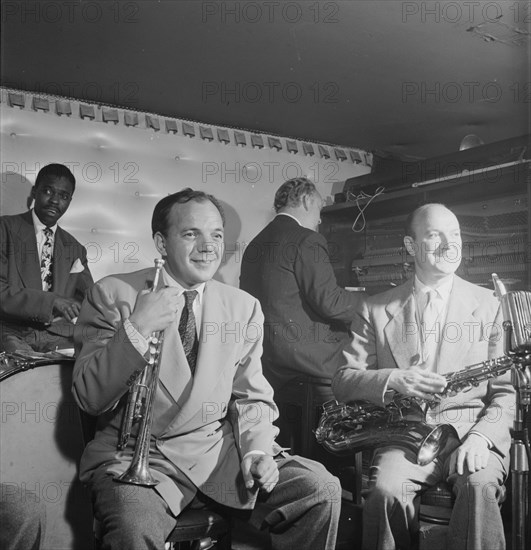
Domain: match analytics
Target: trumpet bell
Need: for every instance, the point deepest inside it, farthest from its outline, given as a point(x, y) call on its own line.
point(138, 474)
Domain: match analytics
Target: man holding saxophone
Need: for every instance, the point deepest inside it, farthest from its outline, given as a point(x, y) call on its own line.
point(405, 341)
point(211, 438)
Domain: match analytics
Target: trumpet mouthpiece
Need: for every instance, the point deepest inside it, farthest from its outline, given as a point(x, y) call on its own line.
point(159, 263)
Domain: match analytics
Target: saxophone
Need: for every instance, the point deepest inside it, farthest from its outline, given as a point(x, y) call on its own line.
point(344, 429)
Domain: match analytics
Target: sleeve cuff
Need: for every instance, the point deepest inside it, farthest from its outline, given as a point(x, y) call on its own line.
point(489, 442)
point(249, 453)
point(139, 342)
point(388, 394)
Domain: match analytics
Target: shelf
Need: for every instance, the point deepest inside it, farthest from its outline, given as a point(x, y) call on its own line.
point(462, 190)
point(494, 219)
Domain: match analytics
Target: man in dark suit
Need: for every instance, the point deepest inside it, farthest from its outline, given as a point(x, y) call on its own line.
point(405, 340)
point(43, 269)
point(213, 441)
point(287, 268)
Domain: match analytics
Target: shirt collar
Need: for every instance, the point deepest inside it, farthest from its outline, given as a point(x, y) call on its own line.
point(289, 216)
point(442, 291)
point(38, 225)
point(168, 280)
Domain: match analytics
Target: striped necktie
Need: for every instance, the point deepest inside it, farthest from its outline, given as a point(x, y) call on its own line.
point(46, 260)
point(187, 329)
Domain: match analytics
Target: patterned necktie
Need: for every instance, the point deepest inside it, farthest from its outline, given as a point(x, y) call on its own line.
point(187, 329)
point(46, 260)
point(430, 330)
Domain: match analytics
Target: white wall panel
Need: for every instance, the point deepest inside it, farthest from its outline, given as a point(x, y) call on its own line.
point(122, 171)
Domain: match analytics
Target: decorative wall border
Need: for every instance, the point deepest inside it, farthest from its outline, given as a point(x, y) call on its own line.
point(96, 112)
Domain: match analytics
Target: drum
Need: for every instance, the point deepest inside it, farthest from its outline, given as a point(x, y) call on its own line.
point(41, 445)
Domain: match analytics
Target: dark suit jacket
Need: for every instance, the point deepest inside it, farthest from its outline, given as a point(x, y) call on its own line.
point(386, 337)
point(203, 425)
point(23, 303)
point(307, 315)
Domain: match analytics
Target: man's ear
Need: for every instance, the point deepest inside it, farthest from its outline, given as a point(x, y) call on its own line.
point(306, 202)
point(31, 197)
point(160, 243)
point(410, 245)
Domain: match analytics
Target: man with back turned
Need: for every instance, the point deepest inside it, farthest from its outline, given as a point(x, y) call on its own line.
point(287, 267)
point(405, 340)
point(213, 441)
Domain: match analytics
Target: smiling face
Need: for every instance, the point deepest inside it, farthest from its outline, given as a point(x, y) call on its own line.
point(193, 246)
point(52, 199)
point(436, 244)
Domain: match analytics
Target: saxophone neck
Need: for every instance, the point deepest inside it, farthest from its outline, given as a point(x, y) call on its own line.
point(474, 374)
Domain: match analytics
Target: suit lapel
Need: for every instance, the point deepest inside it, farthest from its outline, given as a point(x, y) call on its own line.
point(27, 257)
point(459, 327)
point(61, 263)
point(210, 355)
point(187, 391)
point(174, 374)
point(401, 331)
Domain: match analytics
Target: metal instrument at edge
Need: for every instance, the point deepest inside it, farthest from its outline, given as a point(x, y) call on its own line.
point(516, 310)
point(139, 408)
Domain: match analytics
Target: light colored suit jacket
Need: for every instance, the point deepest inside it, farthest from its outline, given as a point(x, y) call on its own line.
point(386, 337)
point(203, 425)
point(22, 300)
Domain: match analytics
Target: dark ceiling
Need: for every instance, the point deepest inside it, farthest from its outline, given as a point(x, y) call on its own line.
point(405, 78)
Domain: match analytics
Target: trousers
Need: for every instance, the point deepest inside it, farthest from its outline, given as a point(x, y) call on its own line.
point(302, 511)
point(14, 339)
point(390, 513)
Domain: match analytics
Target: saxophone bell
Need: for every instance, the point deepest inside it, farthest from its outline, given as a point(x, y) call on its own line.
point(344, 429)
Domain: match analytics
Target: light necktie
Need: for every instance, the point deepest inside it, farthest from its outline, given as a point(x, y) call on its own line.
point(430, 330)
point(46, 260)
point(187, 329)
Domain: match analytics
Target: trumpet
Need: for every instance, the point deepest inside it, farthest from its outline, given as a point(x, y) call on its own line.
point(139, 408)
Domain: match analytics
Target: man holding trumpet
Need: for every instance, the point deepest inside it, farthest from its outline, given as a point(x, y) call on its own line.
point(212, 438)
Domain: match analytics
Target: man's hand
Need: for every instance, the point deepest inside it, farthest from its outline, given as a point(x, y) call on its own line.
point(474, 452)
point(154, 311)
point(66, 308)
point(260, 471)
point(416, 382)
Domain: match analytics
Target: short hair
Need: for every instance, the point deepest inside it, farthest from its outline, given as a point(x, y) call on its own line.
point(55, 171)
point(160, 219)
point(291, 192)
point(412, 218)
